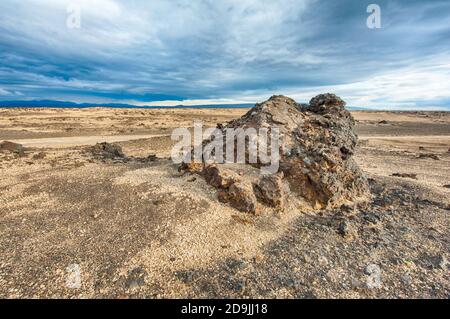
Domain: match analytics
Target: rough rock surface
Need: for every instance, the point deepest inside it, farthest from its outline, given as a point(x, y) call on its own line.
point(7, 146)
point(317, 142)
point(271, 190)
point(107, 151)
point(240, 196)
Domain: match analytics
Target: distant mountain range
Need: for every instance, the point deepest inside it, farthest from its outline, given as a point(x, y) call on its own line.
point(63, 104)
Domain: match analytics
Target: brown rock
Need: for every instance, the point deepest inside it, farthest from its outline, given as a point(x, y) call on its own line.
point(40, 155)
point(219, 178)
point(107, 151)
point(325, 103)
point(271, 190)
point(431, 156)
point(7, 146)
point(317, 143)
point(239, 196)
point(193, 168)
point(405, 175)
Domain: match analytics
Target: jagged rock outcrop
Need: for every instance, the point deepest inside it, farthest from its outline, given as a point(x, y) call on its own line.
point(316, 144)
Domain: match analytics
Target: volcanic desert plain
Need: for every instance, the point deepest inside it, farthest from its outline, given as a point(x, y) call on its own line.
point(138, 227)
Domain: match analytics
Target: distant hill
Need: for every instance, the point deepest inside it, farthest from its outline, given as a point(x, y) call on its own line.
point(64, 104)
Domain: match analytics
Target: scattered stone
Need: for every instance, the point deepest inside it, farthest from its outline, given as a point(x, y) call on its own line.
point(135, 278)
point(192, 179)
point(107, 151)
point(373, 272)
point(447, 186)
point(372, 218)
point(383, 122)
point(405, 175)
point(11, 147)
point(259, 259)
point(346, 229)
point(406, 279)
point(323, 261)
point(432, 156)
point(39, 156)
point(433, 261)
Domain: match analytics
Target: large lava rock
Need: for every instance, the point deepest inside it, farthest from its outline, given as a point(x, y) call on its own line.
point(317, 142)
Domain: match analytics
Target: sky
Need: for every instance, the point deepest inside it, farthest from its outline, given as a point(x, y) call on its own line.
point(189, 52)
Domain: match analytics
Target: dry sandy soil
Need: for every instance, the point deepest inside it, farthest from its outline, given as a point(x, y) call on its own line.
point(140, 229)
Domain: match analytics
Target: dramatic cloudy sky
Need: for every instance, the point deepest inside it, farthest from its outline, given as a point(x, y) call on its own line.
point(210, 51)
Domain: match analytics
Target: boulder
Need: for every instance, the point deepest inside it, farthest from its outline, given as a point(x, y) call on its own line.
point(11, 147)
point(107, 151)
point(316, 143)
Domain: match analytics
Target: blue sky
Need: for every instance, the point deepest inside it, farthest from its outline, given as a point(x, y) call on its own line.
point(226, 51)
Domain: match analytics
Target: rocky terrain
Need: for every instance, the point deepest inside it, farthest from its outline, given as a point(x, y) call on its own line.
point(137, 227)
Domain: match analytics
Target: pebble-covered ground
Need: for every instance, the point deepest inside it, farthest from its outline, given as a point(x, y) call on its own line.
point(76, 225)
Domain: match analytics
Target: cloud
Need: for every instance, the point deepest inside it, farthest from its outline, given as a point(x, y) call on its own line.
point(225, 50)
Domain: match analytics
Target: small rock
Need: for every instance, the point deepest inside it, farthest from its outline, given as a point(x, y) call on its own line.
point(323, 261)
point(239, 286)
point(373, 272)
point(432, 156)
point(259, 258)
point(383, 122)
point(346, 229)
point(434, 262)
point(405, 175)
point(271, 190)
point(219, 178)
point(406, 279)
point(107, 151)
point(39, 156)
point(136, 278)
point(240, 196)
